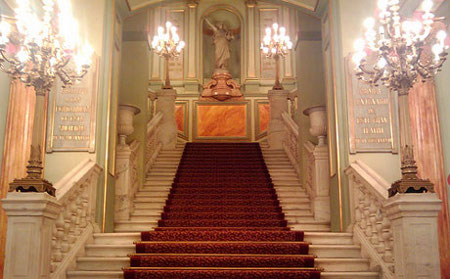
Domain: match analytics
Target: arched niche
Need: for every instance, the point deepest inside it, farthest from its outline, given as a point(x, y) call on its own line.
point(233, 20)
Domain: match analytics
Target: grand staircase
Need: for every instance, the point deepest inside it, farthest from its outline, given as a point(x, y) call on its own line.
point(109, 252)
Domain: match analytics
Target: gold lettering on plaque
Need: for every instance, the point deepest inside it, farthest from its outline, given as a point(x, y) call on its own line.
point(72, 125)
point(370, 116)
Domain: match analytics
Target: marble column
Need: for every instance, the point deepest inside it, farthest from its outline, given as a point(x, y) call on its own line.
point(321, 202)
point(31, 218)
point(426, 139)
point(18, 134)
point(166, 105)
point(155, 63)
point(414, 227)
point(124, 192)
point(278, 105)
point(251, 46)
point(191, 83)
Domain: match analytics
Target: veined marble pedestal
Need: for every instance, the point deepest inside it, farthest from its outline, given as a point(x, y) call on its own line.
point(166, 105)
point(31, 217)
point(278, 105)
point(414, 225)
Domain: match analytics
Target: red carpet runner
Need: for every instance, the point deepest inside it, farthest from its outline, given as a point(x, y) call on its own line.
point(222, 220)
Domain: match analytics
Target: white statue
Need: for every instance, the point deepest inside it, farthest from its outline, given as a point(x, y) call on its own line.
point(222, 38)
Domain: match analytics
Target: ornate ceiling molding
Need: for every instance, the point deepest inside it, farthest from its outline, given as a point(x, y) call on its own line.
point(310, 5)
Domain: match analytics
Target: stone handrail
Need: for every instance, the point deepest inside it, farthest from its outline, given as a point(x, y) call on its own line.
point(76, 193)
point(370, 223)
point(153, 144)
point(317, 183)
point(291, 140)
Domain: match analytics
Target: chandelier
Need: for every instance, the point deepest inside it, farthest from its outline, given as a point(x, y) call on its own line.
point(396, 53)
point(36, 51)
point(42, 49)
point(167, 44)
point(276, 44)
point(398, 48)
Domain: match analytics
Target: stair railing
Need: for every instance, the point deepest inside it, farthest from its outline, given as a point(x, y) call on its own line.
point(370, 224)
point(76, 193)
point(153, 144)
point(291, 140)
point(317, 182)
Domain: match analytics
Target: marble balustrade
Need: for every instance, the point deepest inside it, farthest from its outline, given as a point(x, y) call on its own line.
point(76, 193)
point(317, 179)
point(153, 144)
point(371, 226)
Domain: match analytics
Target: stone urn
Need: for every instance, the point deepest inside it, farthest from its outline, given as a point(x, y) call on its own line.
point(318, 122)
point(125, 122)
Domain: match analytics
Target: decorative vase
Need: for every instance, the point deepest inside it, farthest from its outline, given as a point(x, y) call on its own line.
point(125, 122)
point(318, 122)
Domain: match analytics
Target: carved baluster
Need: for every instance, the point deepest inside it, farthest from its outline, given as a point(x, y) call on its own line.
point(386, 229)
point(84, 205)
point(59, 224)
point(379, 227)
point(363, 223)
point(65, 245)
point(373, 221)
point(78, 205)
point(54, 243)
point(368, 230)
point(72, 207)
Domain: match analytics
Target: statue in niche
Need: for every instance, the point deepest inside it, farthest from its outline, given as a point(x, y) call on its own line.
point(221, 86)
point(222, 38)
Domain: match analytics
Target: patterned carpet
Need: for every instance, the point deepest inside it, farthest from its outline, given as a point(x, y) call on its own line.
point(222, 219)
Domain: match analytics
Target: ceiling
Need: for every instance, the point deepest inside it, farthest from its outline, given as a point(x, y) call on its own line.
point(309, 5)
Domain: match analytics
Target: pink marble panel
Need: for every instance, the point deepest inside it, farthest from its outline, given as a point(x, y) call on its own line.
point(222, 120)
point(264, 116)
point(179, 116)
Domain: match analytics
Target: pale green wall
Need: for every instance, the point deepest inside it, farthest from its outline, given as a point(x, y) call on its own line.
point(310, 80)
point(443, 101)
point(133, 88)
point(90, 17)
point(4, 100)
point(351, 15)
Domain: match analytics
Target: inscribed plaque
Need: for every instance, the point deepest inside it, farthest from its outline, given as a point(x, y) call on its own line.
point(370, 115)
point(72, 123)
point(267, 17)
point(176, 64)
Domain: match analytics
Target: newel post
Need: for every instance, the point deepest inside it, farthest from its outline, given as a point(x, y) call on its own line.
point(416, 244)
point(122, 204)
point(166, 105)
point(278, 102)
point(320, 178)
point(31, 218)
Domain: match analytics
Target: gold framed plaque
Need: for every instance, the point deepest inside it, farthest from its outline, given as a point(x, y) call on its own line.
point(71, 126)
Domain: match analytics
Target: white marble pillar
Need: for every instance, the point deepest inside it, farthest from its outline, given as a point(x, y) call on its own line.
point(278, 105)
point(414, 224)
point(166, 105)
point(31, 217)
point(192, 70)
point(321, 202)
point(251, 47)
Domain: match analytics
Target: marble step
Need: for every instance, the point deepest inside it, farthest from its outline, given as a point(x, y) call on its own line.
point(150, 189)
point(142, 201)
point(116, 238)
point(335, 251)
point(135, 226)
point(116, 250)
point(336, 264)
point(312, 226)
point(81, 274)
point(145, 207)
point(102, 263)
point(153, 193)
point(329, 238)
point(295, 206)
point(158, 183)
point(349, 275)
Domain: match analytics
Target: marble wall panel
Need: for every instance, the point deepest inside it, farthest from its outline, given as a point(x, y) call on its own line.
point(221, 121)
point(264, 116)
point(179, 117)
